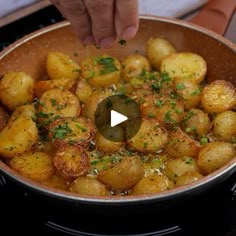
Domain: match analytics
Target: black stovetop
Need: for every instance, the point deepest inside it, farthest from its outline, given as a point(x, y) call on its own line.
point(23, 212)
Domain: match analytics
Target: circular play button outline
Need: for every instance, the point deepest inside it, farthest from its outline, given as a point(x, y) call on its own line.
point(118, 118)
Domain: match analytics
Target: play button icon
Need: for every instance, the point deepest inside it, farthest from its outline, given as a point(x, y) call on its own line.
point(118, 118)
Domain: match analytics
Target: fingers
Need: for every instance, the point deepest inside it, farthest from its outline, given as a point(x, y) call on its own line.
point(126, 18)
point(75, 11)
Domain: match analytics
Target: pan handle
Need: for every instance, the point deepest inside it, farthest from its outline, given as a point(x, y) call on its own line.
point(216, 15)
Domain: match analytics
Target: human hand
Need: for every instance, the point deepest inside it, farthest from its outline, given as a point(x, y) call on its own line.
point(101, 22)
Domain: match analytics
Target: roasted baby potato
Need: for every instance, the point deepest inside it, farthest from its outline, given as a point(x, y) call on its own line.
point(24, 110)
point(101, 71)
point(133, 66)
point(61, 66)
point(181, 145)
point(152, 184)
point(83, 90)
point(57, 181)
point(188, 178)
point(34, 165)
point(214, 155)
point(18, 136)
point(218, 96)
point(225, 126)
point(71, 162)
point(88, 186)
point(180, 166)
point(151, 137)
point(185, 65)
point(124, 175)
point(157, 50)
point(16, 88)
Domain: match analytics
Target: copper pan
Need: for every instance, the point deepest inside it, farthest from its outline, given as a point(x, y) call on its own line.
point(29, 54)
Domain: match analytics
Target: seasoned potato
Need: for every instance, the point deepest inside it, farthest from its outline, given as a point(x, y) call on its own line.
point(71, 162)
point(151, 137)
point(35, 165)
point(185, 65)
point(42, 86)
point(101, 71)
point(133, 66)
point(124, 175)
point(25, 110)
point(152, 184)
point(57, 181)
point(196, 122)
point(157, 50)
point(3, 118)
point(88, 186)
point(218, 96)
point(189, 91)
point(57, 103)
point(71, 131)
point(188, 178)
point(215, 155)
point(181, 144)
point(18, 136)
point(16, 88)
point(61, 66)
point(180, 166)
point(83, 90)
point(225, 126)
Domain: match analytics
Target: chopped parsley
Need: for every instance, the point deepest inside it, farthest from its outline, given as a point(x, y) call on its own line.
point(122, 42)
point(108, 64)
point(61, 131)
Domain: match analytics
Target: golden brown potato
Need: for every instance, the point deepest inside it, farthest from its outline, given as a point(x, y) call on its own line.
point(188, 178)
point(71, 162)
point(56, 181)
point(83, 90)
point(101, 71)
point(181, 144)
point(34, 165)
point(3, 118)
point(24, 110)
point(18, 136)
point(189, 91)
point(185, 65)
point(151, 137)
point(157, 50)
point(180, 166)
point(225, 126)
point(197, 124)
point(88, 186)
point(57, 103)
point(42, 86)
point(218, 96)
point(124, 175)
point(71, 131)
point(215, 155)
point(152, 184)
point(61, 66)
point(134, 65)
point(16, 88)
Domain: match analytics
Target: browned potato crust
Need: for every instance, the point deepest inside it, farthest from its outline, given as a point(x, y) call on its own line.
point(218, 96)
point(124, 175)
point(188, 178)
point(35, 165)
point(214, 155)
point(3, 118)
point(71, 162)
point(152, 184)
point(88, 186)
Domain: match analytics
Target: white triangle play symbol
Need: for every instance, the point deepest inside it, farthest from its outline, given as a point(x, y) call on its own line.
point(117, 118)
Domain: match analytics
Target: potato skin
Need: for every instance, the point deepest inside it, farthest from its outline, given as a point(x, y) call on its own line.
point(83, 90)
point(61, 66)
point(124, 175)
point(225, 126)
point(18, 136)
point(16, 88)
point(3, 118)
point(188, 178)
point(24, 110)
point(133, 66)
point(34, 165)
point(88, 186)
point(215, 155)
point(218, 96)
point(71, 162)
point(152, 184)
point(157, 50)
point(180, 166)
